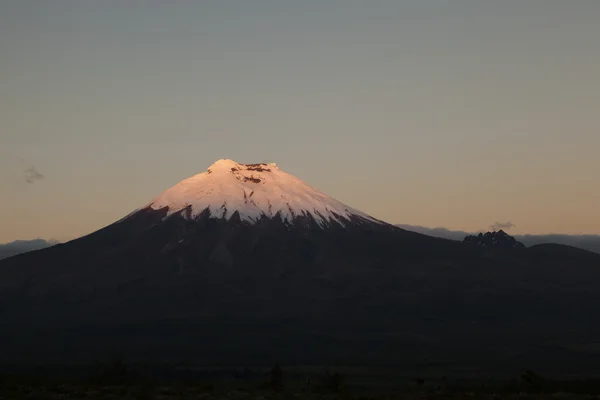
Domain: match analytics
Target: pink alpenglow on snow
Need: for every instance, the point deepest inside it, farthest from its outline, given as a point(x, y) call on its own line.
point(255, 191)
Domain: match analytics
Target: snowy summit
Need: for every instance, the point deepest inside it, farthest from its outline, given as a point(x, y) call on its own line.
point(255, 191)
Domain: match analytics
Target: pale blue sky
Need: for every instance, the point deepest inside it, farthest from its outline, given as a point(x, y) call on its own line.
point(453, 113)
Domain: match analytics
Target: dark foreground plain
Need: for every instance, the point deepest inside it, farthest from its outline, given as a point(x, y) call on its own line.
point(117, 380)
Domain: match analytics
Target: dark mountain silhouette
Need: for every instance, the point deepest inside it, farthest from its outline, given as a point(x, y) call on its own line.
point(23, 246)
point(221, 270)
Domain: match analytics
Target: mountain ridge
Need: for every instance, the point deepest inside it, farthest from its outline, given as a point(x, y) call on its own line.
point(22, 246)
point(587, 242)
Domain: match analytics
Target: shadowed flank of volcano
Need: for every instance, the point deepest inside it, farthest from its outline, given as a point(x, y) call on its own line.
point(176, 282)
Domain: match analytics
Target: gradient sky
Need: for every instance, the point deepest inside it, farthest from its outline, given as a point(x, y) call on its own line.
point(430, 112)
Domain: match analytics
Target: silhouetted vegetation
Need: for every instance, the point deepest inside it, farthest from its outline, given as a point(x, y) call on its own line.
point(113, 372)
point(331, 382)
point(115, 379)
point(276, 378)
point(533, 382)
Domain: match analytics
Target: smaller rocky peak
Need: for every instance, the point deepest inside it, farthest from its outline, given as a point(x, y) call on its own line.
point(495, 239)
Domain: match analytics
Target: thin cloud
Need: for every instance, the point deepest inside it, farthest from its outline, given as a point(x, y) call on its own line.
point(32, 175)
point(496, 226)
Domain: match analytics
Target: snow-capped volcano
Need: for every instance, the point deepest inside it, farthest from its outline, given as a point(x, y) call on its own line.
point(253, 192)
point(234, 264)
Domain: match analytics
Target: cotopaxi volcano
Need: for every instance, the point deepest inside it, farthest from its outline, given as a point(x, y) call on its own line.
point(246, 264)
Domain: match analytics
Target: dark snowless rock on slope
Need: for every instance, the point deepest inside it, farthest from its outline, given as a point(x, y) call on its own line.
point(184, 280)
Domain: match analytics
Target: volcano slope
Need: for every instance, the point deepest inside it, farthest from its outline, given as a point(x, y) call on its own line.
point(245, 264)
